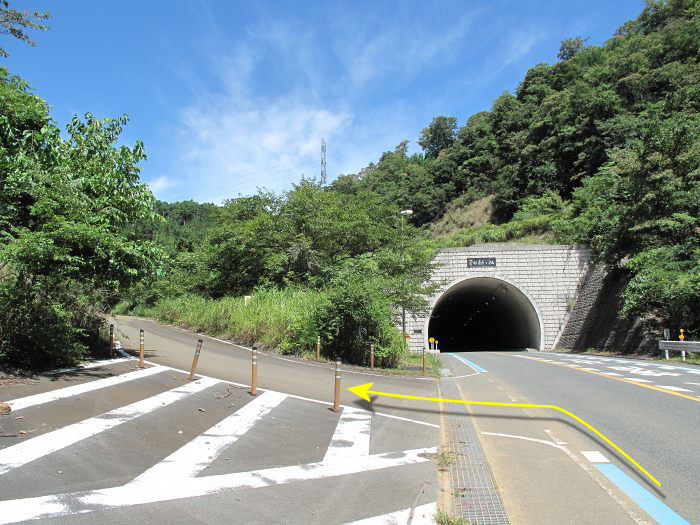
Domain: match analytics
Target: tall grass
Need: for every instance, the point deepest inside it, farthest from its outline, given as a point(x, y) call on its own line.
point(280, 319)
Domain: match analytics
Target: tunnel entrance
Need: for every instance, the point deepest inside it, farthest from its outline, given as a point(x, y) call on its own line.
point(484, 313)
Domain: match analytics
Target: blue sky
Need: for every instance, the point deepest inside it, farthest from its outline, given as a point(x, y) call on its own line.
point(231, 96)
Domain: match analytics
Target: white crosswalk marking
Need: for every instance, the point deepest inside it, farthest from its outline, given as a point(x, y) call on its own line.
point(178, 475)
point(22, 453)
point(350, 441)
point(12, 511)
point(192, 458)
point(46, 397)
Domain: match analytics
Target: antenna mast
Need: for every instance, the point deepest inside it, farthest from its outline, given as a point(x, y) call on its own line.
point(323, 162)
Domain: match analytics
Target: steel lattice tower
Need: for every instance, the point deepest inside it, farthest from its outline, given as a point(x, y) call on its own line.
point(323, 162)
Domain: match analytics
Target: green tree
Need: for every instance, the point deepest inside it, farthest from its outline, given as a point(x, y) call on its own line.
point(571, 47)
point(439, 135)
point(67, 211)
point(15, 23)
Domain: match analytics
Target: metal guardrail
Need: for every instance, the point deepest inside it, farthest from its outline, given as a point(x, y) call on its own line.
point(679, 346)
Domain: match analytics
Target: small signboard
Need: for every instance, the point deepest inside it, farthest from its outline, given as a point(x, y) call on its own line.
point(481, 262)
point(417, 331)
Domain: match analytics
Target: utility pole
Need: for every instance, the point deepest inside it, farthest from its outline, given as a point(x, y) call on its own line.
point(324, 173)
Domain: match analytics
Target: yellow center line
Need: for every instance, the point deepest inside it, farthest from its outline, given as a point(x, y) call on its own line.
point(650, 387)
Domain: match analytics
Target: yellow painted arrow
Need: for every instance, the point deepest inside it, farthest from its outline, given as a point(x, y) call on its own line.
point(364, 390)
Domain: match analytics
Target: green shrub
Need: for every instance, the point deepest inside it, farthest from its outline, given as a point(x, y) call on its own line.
point(46, 324)
point(356, 314)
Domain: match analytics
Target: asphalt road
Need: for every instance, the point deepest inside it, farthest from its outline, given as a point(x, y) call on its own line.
point(115, 444)
point(649, 409)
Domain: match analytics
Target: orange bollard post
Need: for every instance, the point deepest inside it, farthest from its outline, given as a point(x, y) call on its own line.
point(254, 372)
point(336, 393)
point(195, 360)
point(111, 340)
point(141, 365)
point(371, 356)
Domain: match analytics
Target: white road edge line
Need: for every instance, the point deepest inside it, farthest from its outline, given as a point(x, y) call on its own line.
point(591, 472)
point(22, 453)
point(87, 366)
point(82, 388)
point(280, 358)
point(525, 438)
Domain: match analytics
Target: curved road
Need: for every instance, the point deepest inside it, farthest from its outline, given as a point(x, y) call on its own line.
point(648, 408)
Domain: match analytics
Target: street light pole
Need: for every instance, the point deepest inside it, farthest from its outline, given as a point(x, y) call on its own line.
point(403, 213)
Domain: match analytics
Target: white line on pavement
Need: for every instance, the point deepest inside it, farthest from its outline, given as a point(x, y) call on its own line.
point(594, 456)
point(674, 388)
point(637, 380)
point(93, 364)
point(62, 393)
point(525, 438)
point(34, 448)
point(350, 441)
point(557, 441)
point(301, 363)
point(12, 511)
point(422, 515)
point(190, 459)
point(294, 396)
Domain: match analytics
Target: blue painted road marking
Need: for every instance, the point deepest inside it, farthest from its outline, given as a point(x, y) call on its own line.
point(641, 496)
point(470, 363)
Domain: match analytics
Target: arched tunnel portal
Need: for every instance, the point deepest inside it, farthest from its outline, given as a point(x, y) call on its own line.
point(485, 313)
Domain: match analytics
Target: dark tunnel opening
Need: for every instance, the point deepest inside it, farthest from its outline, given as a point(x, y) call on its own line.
point(484, 313)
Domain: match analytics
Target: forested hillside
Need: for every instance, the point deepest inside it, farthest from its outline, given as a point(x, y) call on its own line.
point(602, 147)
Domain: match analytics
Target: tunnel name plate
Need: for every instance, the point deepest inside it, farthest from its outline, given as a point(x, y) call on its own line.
point(481, 262)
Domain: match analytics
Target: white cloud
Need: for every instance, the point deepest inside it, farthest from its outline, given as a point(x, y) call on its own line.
point(235, 144)
point(401, 50)
point(241, 136)
point(159, 184)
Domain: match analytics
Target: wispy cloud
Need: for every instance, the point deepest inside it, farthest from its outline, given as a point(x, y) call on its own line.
point(244, 134)
point(159, 184)
point(401, 49)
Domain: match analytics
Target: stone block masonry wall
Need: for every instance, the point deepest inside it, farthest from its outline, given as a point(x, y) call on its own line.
point(588, 296)
point(550, 275)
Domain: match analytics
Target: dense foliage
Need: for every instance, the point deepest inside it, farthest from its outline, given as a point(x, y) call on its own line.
point(349, 257)
point(67, 213)
point(601, 147)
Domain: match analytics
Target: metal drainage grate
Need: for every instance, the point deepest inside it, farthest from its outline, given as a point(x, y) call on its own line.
point(474, 493)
